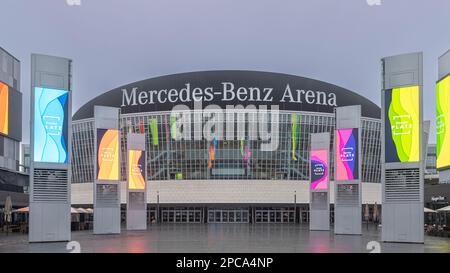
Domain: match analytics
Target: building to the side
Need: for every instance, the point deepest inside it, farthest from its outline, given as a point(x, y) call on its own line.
point(25, 161)
point(430, 162)
point(12, 179)
point(436, 193)
point(431, 172)
point(242, 149)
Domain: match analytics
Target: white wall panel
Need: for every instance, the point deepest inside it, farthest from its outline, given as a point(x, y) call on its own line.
point(225, 191)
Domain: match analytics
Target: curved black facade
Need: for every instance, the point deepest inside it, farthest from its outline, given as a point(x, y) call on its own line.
point(229, 87)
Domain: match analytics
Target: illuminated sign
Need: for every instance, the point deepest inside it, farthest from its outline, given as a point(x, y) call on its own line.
point(437, 198)
point(107, 154)
point(347, 154)
point(442, 119)
point(319, 170)
point(4, 109)
point(229, 88)
point(50, 136)
point(136, 170)
point(402, 118)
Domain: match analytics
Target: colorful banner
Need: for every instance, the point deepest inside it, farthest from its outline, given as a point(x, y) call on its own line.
point(179, 176)
point(212, 151)
point(107, 154)
point(211, 156)
point(141, 127)
point(173, 127)
point(442, 118)
point(241, 147)
point(247, 153)
point(245, 150)
point(50, 135)
point(136, 170)
point(319, 170)
point(347, 161)
point(294, 129)
point(402, 124)
point(4, 109)
point(154, 131)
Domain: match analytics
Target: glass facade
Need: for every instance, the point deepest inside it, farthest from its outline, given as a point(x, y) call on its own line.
point(431, 160)
point(9, 154)
point(10, 113)
point(241, 158)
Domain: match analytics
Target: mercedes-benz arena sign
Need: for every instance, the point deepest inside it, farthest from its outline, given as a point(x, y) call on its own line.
point(224, 88)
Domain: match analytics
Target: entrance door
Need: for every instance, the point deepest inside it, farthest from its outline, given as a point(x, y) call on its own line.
point(228, 216)
point(305, 216)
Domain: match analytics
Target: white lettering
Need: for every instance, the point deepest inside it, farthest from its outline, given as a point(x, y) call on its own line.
point(241, 94)
point(186, 92)
point(287, 94)
point(173, 95)
point(268, 92)
point(254, 90)
point(209, 94)
point(142, 98)
point(129, 98)
point(310, 97)
point(332, 99)
point(230, 92)
point(164, 91)
point(228, 88)
point(321, 98)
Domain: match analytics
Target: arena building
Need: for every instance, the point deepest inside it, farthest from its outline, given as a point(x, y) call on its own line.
point(226, 146)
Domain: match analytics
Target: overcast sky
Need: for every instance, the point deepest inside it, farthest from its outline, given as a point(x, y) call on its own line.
point(115, 42)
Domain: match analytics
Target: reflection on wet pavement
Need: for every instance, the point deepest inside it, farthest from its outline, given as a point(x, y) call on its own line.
point(189, 238)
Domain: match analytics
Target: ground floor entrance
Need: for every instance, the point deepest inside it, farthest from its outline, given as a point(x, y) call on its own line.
point(275, 215)
point(181, 215)
point(298, 213)
point(238, 215)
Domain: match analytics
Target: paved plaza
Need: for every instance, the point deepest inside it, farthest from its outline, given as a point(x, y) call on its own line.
point(247, 238)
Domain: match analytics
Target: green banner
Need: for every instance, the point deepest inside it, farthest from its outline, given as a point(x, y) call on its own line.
point(154, 132)
point(179, 176)
point(402, 127)
point(442, 123)
point(294, 135)
point(173, 127)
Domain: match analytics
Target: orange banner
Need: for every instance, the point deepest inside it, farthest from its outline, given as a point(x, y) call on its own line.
point(4, 109)
point(136, 170)
point(108, 154)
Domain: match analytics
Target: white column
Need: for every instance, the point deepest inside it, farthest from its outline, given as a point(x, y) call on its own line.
point(136, 182)
point(107, 161)
point(320, 182)
point(51, 137)
point(402, 149)
point(347, 171)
